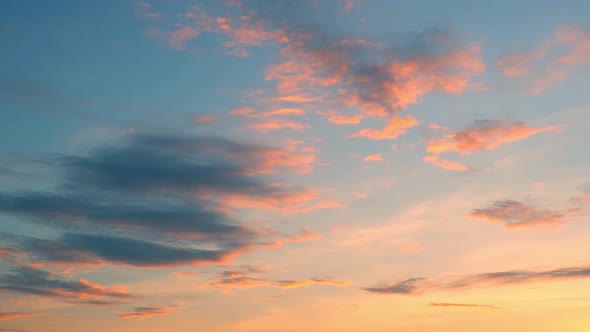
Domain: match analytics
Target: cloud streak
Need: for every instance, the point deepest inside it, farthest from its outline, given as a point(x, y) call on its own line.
point(16, 315)
point(425, 285)
point(516, 214)
point(34, 281)
point(484, 135)
point(147, 312)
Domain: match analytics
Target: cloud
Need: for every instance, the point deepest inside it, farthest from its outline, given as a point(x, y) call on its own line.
point(202, 119)
point(288, 284)
point(552, 61)
point(273, 125)
point(15, 315)
point(516, 214)
point(27, 93)
point(160, 201)
point(484, 135)
point(249, 112)
point(126, 250)
point(583, 198)
point(397, 126)
point(228, 285)
point(328, 69)
point(184, 274)
point(147, 312)
point(424, 285)
point(303, 236)
point(462, 305)
point(377, 157)
point(445, 164)
point(161, 163)
point(411, 248)
point(28, 280)
point(519, 64)
point(182, 219)
point(230, 280)
point(178, 38)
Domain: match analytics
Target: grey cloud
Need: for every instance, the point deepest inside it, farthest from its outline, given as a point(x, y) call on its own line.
point(421, 285)
point(39, 282)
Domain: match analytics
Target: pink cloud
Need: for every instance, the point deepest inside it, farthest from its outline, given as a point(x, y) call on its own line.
point(345, 119)
point(519, 64)
point(202, 119)
point(445, 164)
point(301, 202)
point(178, 38)
point(397, 126)
point(278, 124)
point(484, 135)
point(249, 112)
point(551, 62)
point(303, 236)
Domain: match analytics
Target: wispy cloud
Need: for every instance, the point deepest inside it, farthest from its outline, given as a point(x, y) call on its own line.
point(445, 164)
point(147, 312)
point(377, 157)
point(484, 135)
point(516, 214)
point(552, 61)
point(396, 127)
point(462, 305)
point(16, 314)
point(424, 285)
point(278, 124)
point(202, 119)
point(34, 281)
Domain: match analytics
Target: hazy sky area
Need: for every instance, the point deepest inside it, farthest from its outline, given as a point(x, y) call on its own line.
point(288, 166)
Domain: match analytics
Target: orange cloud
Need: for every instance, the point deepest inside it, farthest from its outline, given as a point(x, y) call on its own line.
point(445, 164)
point(397, 126)
point(305, 201)
point(15, 315)
point(290, 284)
point(437, 127)
point(462, 305)
point(411, 248)
point(294, 156)
point(229, 284)
point(184, 274)
point(374, 158)
point(484, 135)
point(272, 125)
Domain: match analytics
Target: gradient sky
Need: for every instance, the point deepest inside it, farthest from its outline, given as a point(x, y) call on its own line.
point(278, 166)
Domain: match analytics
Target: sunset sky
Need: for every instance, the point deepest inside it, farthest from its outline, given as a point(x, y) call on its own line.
point(289, 166)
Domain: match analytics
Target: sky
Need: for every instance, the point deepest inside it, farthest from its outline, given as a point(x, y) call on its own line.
point(282, 166)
